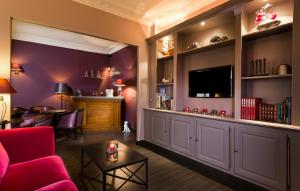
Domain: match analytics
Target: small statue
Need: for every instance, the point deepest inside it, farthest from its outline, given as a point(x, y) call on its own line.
point(126, 127)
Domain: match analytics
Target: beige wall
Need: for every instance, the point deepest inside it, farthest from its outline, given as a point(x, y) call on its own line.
point(68, 15)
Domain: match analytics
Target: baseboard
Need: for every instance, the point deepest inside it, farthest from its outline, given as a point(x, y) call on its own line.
point(210, 172)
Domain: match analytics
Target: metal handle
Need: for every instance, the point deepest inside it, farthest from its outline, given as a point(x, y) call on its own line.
point(191, 137)
point(165, 131)
point(196, 140)
point(236, 151)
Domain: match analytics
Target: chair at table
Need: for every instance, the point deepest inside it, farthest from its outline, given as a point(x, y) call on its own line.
point(67, 121)
point(79, 118)
point(41, 109)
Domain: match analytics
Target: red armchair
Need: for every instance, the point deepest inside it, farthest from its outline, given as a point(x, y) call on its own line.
point(28, 161)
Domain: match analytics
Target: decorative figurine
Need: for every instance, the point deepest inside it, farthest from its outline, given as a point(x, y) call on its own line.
point(214, 112)
point(126, 128)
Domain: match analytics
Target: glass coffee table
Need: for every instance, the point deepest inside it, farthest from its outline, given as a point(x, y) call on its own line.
point(108, 163)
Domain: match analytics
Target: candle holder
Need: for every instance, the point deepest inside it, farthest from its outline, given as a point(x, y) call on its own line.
point(112, 147)
point(112, 157)
point(204, 111)
point(223, 113)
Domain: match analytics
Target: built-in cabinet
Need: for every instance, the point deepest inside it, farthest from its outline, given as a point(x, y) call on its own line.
point(293, 151)
point(213, 142)
point(160, 129)
point(262, 155)
point(182, 134)
point(242, 44)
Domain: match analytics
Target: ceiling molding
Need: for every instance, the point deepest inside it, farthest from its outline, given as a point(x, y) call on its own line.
point(55, 37)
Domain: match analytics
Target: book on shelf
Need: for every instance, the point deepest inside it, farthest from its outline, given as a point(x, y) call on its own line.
point(249, 108)
point(255, 109)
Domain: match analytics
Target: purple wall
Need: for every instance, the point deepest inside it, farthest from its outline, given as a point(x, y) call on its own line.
point(125, 61)
point(46, 65)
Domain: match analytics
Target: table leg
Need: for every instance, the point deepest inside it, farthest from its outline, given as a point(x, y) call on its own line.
point(147, 174)
point(104, 181)
point(82, 162)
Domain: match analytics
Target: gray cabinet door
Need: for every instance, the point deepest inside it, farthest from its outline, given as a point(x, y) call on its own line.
point(182, 130)
point(160, 128)
point(260, 155)
point(294, 161)
point(213, 142)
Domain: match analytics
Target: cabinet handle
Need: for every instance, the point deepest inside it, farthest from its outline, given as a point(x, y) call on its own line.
point(236, 151)
point(288, 160)
point(196, 140)
point(165, 131)
point(191, 137)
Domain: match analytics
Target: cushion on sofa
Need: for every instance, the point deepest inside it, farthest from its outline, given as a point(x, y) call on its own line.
point(65, 185)
point(4, 161)
point(34, 174)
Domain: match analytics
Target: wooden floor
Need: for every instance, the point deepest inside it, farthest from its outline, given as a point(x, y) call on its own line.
point(164, 174)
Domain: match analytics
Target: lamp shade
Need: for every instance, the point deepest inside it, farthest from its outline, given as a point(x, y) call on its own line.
point(119, 82)
point(16, 68)
point(5, 86)
point(61, 88)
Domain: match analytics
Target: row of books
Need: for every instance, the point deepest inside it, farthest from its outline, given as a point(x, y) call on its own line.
point(254, 109)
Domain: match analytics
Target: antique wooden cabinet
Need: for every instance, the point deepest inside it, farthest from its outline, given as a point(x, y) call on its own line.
point(100, 113)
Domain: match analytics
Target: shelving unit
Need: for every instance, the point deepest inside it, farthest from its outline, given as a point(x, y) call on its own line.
point(266, 77)
point(245, 43)
point(208, 47)
point(92, 78)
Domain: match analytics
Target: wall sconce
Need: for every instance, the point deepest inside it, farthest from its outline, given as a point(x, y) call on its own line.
point(16, 69)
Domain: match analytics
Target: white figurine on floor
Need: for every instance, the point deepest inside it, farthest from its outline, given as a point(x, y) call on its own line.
point(126, 128)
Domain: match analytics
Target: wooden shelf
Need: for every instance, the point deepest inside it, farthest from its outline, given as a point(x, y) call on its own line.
point(268, 32)
point(164, 84)
point(208, 47)
point(92, 78)
point(165, 58)
point(266, 77)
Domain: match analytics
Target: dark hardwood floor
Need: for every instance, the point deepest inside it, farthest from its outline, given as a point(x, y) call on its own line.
point(164, 174)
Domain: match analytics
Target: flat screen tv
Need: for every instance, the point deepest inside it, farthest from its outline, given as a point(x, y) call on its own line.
point(211, 82)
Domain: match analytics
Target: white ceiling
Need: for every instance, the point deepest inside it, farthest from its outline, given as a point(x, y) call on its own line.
point(30, 32)
point(160, 12)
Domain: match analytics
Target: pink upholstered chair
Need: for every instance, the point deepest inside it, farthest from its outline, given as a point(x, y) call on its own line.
point(28, 161)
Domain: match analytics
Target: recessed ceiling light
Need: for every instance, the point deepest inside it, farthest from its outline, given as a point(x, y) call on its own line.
point(202, 23)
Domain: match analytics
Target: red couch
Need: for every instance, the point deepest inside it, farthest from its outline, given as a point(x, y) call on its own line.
point(28, 161)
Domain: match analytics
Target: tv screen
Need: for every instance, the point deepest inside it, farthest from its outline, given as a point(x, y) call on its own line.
point(211, 82)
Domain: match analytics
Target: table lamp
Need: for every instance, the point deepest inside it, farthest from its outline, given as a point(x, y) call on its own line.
point(119, 84)
point(5, 88)
point(61, 89)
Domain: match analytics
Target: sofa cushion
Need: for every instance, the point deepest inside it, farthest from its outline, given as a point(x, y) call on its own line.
point(34, 174)
point(4, 161)
point(65, 185)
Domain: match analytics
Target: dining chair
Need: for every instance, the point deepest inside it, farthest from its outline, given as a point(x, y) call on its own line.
point(79, 119)
point(67, 121)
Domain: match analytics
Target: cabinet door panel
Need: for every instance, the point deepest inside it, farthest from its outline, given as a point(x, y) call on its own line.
point(261, 156)
point(160, 124)
point(294, 160)
point(213, 143)
point(182, 129)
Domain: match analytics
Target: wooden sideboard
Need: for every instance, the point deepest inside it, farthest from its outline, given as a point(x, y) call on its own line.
point(100, 113)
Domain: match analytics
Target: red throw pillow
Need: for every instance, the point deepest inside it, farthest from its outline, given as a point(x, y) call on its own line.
point(4, 161)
